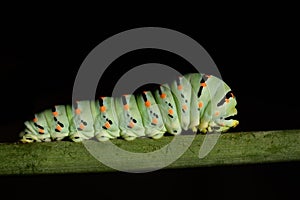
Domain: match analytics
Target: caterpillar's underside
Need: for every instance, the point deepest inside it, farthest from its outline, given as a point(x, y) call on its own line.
point(194, 101)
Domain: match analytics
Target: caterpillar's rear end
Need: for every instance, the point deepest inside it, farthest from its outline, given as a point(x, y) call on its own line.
point(194, 101)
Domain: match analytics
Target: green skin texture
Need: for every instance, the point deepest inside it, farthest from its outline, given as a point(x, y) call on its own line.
point(137, 120)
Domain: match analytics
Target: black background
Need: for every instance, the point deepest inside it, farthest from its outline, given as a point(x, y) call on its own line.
point(255, 50)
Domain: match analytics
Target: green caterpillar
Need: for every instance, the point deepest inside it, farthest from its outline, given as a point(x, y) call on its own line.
point(194, 101)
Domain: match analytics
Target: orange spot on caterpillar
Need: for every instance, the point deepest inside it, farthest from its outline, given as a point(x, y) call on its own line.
point(163, 95)
point(41, 131)
point(179, 87)
point(170, 111)
point(131, 124)
point(102, 108)
point(81, 126)
point(226, 100)
point(184, 107)
point(232, 95)
point(101, 97)
point(107, 125)
point(217, 113)
point(35, 119)
point(147, 104)
point(126, 107)
point(154, 121)
point(203, 84)
point(200, 104)
point(55, 113)
point(58, 127)
point(77, 111)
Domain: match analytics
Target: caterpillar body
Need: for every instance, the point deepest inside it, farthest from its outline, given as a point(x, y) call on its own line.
point(194, 101)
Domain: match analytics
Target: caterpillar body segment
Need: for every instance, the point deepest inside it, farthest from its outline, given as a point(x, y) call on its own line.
point(58, 122)
point(37, 128)
point(106, 123)
point(181, 90)
point(194, 101)
point(131, 123)
point(166, 103)
point(152, 118)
